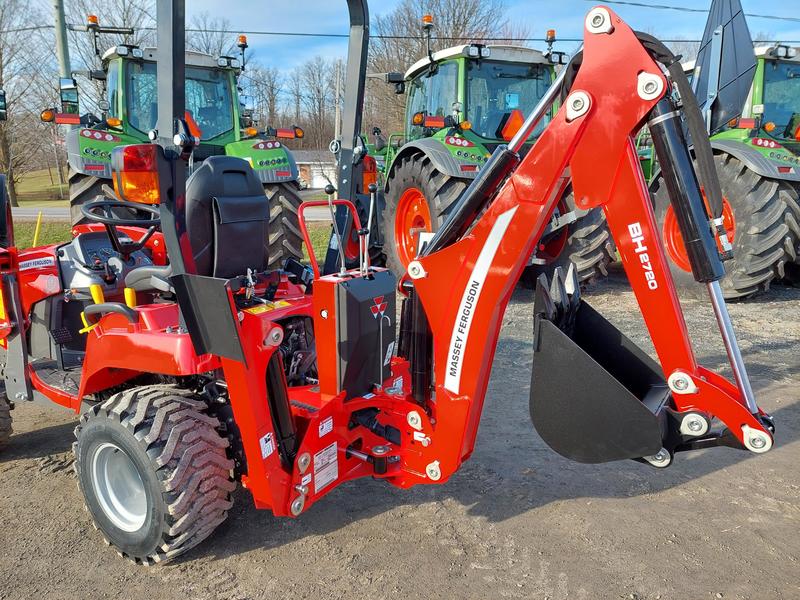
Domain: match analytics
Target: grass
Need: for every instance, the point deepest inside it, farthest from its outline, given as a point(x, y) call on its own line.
point(53, 232)
point(35, 189)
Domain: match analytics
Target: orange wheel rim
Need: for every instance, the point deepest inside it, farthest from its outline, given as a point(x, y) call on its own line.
point(673, 241)
point(413, 216)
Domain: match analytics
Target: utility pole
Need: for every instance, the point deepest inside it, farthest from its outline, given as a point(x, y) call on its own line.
point(64, 67)
point(337, 124)
point(62, 49)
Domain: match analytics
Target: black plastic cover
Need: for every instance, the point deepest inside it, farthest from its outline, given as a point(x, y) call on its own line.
point(365, 317)
point(209, 315)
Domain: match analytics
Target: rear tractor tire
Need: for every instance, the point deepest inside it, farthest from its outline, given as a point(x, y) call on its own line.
point(5, 420)
point(587, 243)
point(154, 472)
point(417, 198)
point(83, 189)
point(285, 237)
point(758, 218)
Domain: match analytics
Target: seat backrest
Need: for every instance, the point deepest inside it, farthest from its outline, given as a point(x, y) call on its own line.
point(227, 215)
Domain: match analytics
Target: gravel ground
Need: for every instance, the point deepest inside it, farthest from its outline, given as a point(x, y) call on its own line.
point(517, 521)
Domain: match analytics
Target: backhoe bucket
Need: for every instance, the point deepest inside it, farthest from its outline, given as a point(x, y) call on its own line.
point(595, 396)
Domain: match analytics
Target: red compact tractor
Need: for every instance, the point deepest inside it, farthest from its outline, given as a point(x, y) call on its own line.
point(211, 370)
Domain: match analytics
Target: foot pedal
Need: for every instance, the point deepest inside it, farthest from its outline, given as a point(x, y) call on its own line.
point(595, 396)
point(61, 335)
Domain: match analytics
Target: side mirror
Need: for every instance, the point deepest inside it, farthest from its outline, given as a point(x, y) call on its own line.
point(3, 113)
point(68, 90)
point(398, 80)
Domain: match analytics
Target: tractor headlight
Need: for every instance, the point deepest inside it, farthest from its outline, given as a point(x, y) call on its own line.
point(122, 51)
point(137, 53)
point(235, 63)
point(781, 51)
point(474, 52)
point(486, 52)
point(222, 61)
point(791, 52)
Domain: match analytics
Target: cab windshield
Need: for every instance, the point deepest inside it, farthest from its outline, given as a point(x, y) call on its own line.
point(782, 96)
point(495, 89)
point(208, 98)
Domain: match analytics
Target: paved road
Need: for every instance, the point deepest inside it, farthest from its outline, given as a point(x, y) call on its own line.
point(61, 213)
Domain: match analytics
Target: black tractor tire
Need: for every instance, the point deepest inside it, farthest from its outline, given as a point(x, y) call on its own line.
point(167, 440)
point(589, 246)
point(765, 237)
point(83, 189)
point(440, 191)
point(285, 237)
point(5, 420)
point(792, 198)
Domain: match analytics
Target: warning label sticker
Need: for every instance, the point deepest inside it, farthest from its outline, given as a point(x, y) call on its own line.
point(262, 308)
point(267, 445)
point(326, 426)
point(326, 467)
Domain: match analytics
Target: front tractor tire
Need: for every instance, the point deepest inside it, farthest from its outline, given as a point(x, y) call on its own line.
point(417, 198)
point(5, 420)
point(154, 472)
point(758, 218)
point(285, 237)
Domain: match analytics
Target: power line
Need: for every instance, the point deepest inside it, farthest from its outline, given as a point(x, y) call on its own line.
point(695, 10)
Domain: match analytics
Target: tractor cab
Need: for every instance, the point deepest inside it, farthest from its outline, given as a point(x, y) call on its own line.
point(485, 90)
point(778, 70)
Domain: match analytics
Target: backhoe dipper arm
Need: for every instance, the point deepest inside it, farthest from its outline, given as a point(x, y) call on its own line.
point(466, 286)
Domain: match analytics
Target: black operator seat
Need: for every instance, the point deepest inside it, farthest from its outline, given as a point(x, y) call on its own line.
point(227, 216)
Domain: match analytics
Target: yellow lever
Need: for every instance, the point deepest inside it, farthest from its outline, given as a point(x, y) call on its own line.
point(96, 290)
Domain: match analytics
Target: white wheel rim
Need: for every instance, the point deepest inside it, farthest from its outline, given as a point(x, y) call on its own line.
point(118, 487)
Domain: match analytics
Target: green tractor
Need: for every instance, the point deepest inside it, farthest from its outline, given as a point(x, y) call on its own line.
point(463, 102)
point(215, 115)
point(756, 143)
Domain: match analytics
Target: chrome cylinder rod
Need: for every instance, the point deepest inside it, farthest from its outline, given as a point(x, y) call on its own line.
point(538, 112)
point(731, 346)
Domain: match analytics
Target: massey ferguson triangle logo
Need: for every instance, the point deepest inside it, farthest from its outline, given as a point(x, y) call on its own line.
point(378, 307)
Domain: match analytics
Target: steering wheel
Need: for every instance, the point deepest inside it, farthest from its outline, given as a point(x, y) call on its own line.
point(101, 211)
point(91, 210)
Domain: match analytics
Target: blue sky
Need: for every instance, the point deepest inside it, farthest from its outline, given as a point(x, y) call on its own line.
point(566, 16)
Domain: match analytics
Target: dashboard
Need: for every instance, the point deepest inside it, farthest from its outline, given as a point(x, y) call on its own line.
point(91, 259)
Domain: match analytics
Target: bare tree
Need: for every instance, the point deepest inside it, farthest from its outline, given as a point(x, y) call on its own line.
point(25, 68)
point(136, 14)
point(455, 22)
point(209, 34)
point(265, 86)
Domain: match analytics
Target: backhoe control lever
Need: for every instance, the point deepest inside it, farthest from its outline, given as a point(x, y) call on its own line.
point(684, 192)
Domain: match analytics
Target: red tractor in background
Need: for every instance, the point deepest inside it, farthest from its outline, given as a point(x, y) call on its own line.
point(212, 369)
